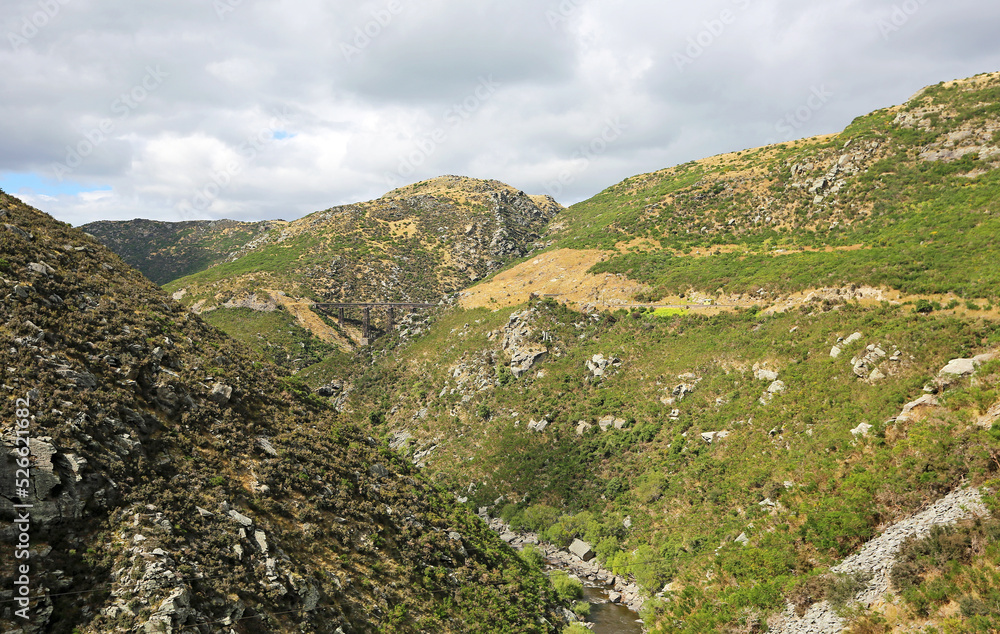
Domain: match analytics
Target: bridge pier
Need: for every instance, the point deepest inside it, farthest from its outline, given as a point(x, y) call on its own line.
point(366, 308)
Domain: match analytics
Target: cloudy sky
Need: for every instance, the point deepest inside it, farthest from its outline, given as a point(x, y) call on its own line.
point(258, 109)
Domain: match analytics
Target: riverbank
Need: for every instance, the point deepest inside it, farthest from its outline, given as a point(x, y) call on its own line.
point(621, 590)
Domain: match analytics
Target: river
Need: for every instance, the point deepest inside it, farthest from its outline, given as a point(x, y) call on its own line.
point(607, 617)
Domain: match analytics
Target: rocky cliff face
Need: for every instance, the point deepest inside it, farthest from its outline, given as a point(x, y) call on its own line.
point(176, 483)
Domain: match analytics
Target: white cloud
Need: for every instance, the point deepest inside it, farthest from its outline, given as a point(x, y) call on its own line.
point(563, 69)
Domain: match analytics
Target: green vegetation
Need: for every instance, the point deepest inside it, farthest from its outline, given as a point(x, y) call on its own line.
point(275, 335)
point(957, 564)
point(685, 496)
point(567, 587)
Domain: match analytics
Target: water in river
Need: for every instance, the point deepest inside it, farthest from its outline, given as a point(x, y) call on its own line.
point(607, 617)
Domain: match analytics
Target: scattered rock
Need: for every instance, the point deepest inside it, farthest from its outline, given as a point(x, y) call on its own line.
point(539, 425)
point(763, 374)
point(862, 429)
point(220, 394)
point(835, 352)
point(524, 358)
point(710, 436)
point(990, 417)
point(240, 518)
point(927, 400)
point(267, 447)
point(851, 339)
point(598, 365)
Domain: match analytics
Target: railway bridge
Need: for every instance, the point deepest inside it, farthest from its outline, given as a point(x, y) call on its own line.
point(366, 309)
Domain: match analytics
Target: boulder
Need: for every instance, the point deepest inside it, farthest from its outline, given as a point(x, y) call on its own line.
point(777, 387)
point(861, 430)
point(835, 352)
point(582, 550)
point(990, 417)
point(855, 337)
point(240, 518)
point(927, 400)
point(743, 539)
point(220, 393)
point(43, 475)
point(765, 375)
point(267, 447)
point(523, 359)
point(709, 436)
point(539, 425)
point(960, 367)
point(598, 364)
point(582, 427)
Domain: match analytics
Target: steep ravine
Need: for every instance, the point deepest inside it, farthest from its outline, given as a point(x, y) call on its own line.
point(615, 601)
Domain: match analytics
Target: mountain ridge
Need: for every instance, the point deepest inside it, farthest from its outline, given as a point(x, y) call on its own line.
point(178, 482)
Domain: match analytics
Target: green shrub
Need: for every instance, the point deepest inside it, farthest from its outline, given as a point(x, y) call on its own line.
point(576, 628)
point(581, 609)
point(568, 588)
point(923, 306)
point(532, 556)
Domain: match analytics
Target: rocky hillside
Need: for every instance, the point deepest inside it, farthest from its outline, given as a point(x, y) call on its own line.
point(905, 198)
point(165, 251)
point(257, 281)
point(730, 376)
point(156, 476)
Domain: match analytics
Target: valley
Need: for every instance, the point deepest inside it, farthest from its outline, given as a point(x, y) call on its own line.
point(762, 389)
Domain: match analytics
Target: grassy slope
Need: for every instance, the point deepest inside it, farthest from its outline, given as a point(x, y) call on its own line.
point(686, 497)
point(922, 226)
point(926, 226)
